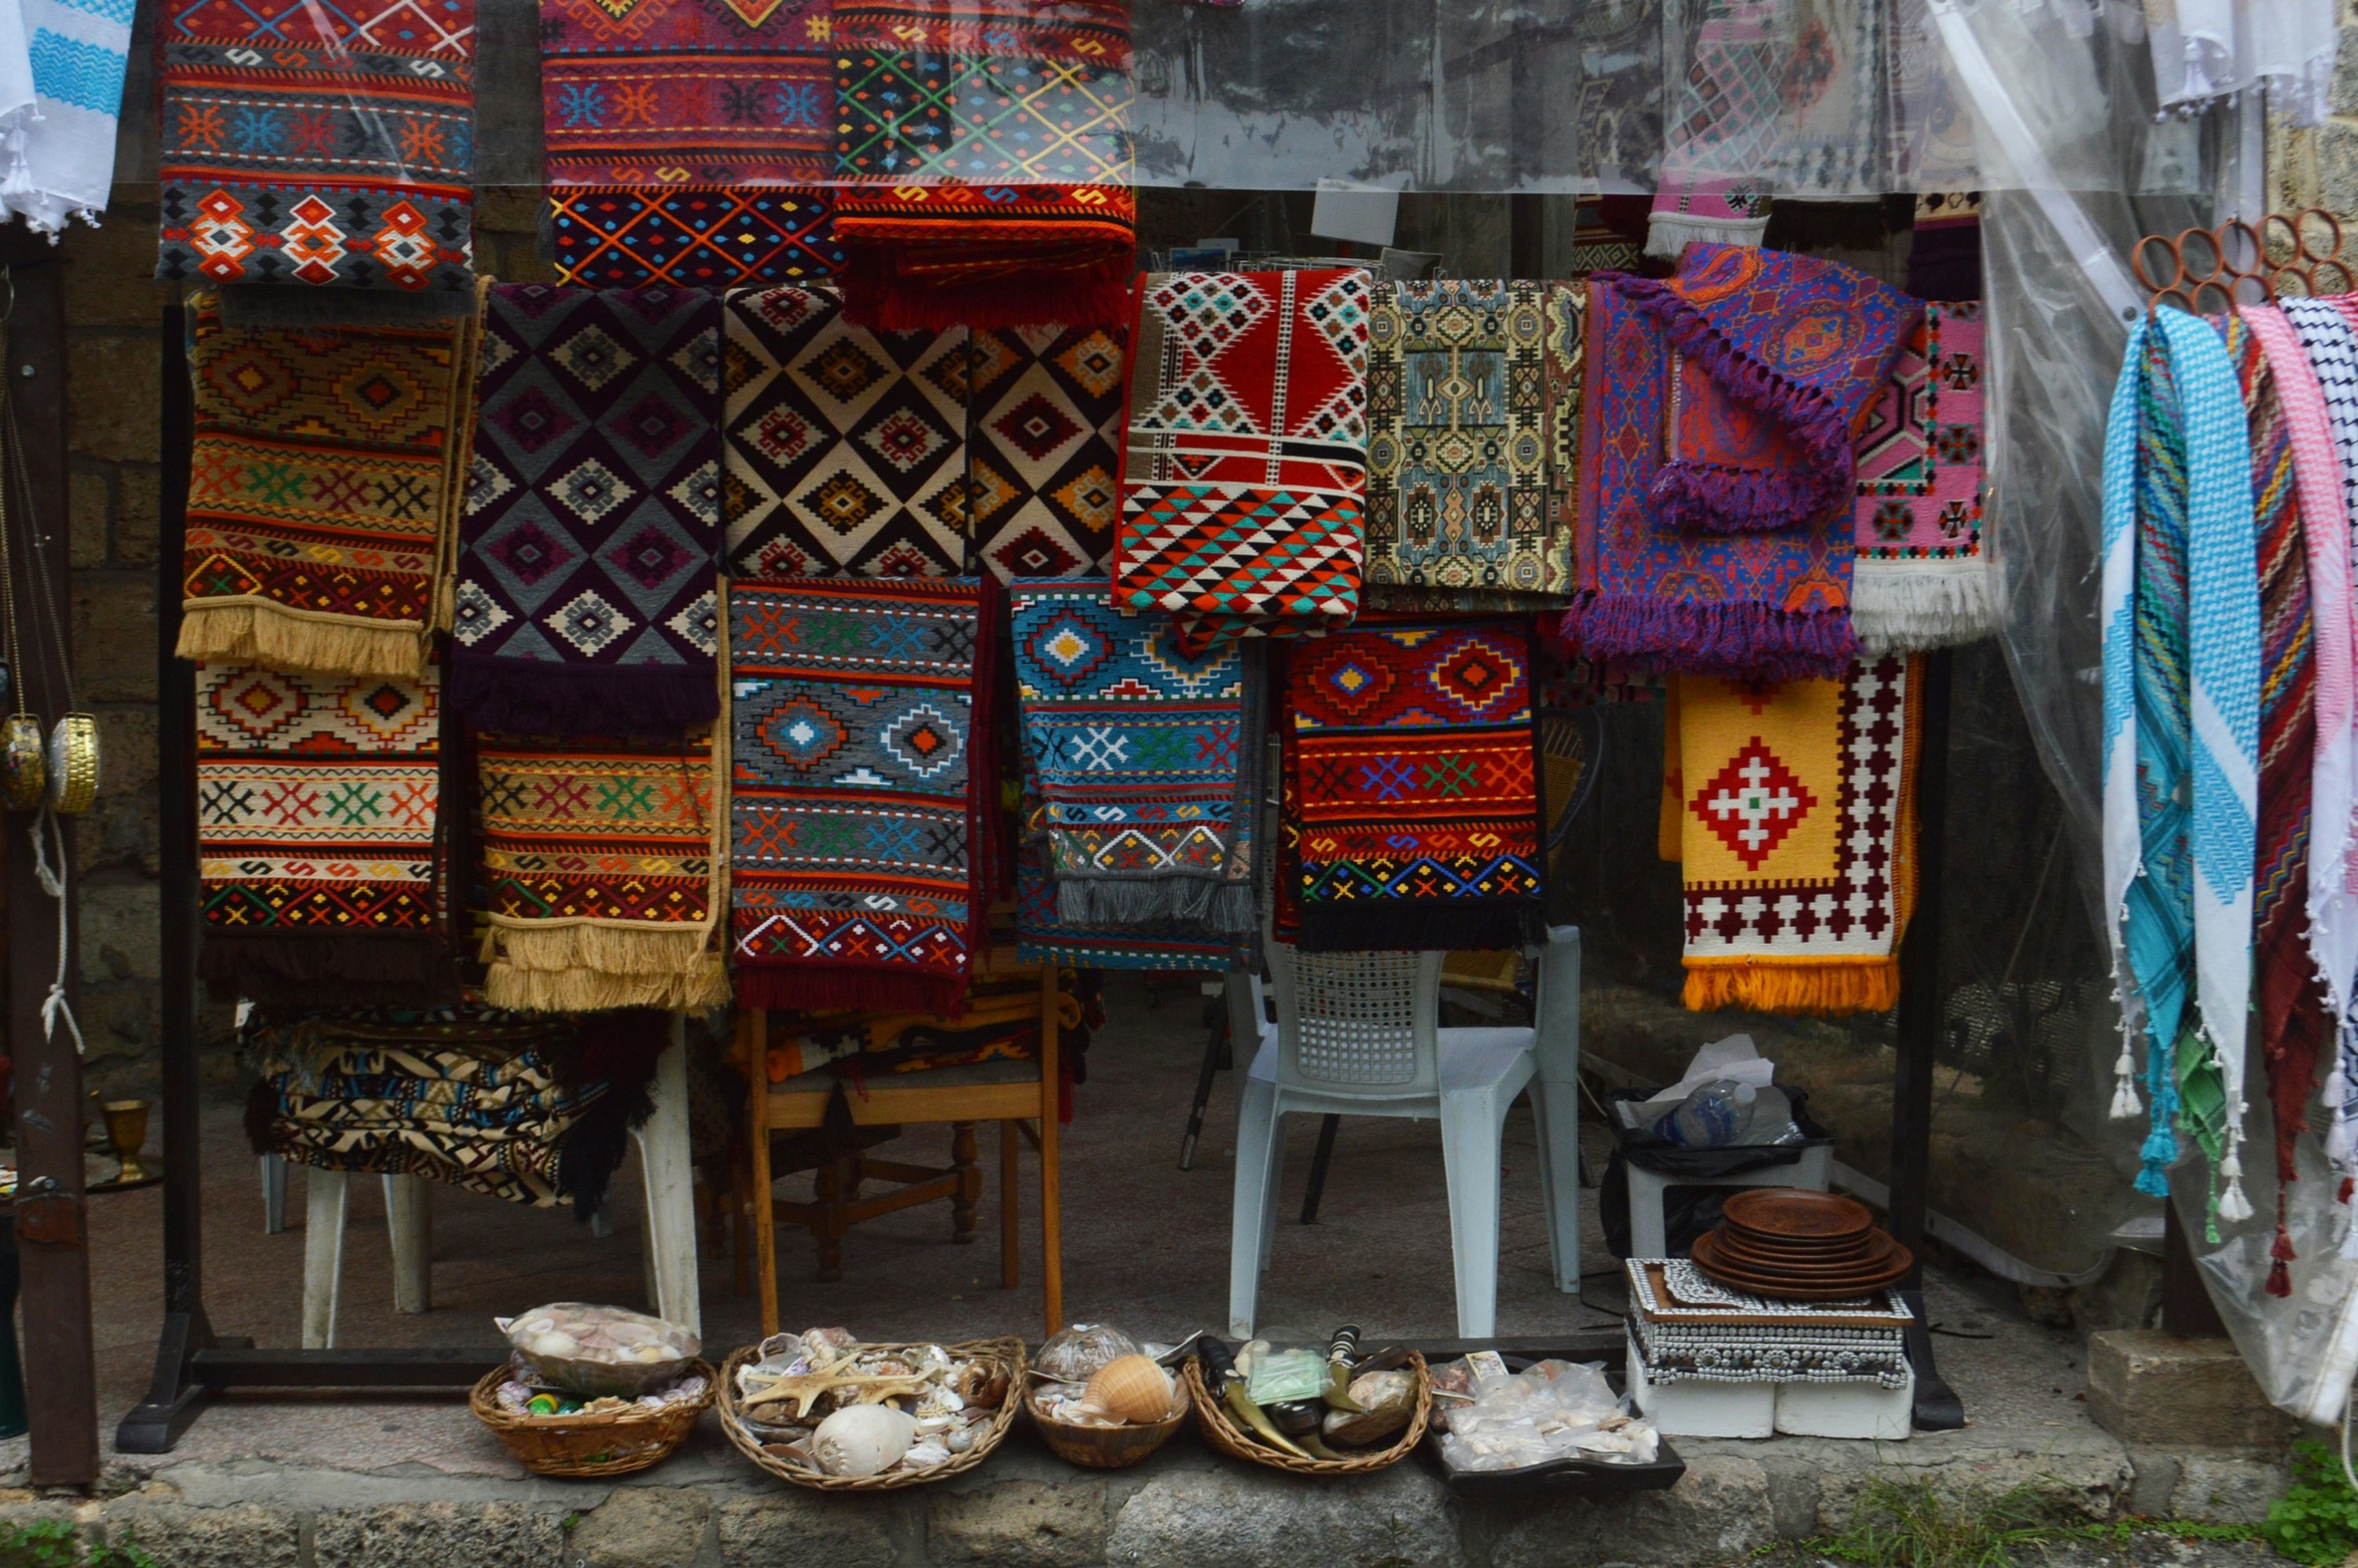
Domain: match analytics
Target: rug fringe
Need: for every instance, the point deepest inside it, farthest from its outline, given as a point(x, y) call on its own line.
point(1828, 986)
point(358, 968)
point(250, 632)
point(1669, 233)
point(588, 969)
point(1904, 607)
point(1743, 640)
point(1195, 901)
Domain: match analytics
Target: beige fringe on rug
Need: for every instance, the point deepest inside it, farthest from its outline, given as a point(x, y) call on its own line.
point(588, 965)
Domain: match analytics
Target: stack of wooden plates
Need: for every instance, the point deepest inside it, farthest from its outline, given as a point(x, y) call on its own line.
point(1799, 1245)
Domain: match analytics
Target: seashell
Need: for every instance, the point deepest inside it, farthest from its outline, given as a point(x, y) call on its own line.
point(1075, 1354)
point(1131, 1389)
point(862, 1440)
point(556, 1342)
point(959, 1439)
point(925, 1455)
point(1390, 1399)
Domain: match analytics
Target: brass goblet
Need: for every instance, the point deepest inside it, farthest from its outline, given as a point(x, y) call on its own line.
point(126, 1134)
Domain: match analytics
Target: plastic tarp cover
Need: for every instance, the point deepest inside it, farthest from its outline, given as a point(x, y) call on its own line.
point(2055, 340)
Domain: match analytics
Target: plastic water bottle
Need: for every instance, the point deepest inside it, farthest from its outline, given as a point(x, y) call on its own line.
point(1716, 1115)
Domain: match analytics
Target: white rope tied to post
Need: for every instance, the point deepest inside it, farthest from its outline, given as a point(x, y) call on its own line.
point(53, 882)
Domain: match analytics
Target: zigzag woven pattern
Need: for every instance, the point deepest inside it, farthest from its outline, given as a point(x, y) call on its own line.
point(860, 864)
point(1140, 756)
point(1247, 467)
point(1044, 448)
point(318, 143)
point(587, 601)
point(318, 813)
point(1415, 787)
point(691, 237)
point(321, 482)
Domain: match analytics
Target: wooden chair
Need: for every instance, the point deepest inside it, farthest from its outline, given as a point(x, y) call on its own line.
point(1011, 1093)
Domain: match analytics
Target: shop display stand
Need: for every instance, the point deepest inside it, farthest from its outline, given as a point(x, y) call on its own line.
point(193, 1362)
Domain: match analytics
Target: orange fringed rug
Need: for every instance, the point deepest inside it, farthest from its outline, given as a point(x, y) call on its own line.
point(1797, 838)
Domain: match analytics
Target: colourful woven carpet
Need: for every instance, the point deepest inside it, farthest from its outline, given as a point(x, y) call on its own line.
point(1143, 758)
point(1922, 576)
point(508, 1104)
point(311, 145)
point(602, 859)
point(985, 160)
point(861, 835)
point(317, 825)
point(1041, 933)
point(322, 489)
point(1416, 788)
point(1753, 605)
point(1245, 473)
point(588, 565)
point(1473, 443)
point(1044, 448)
point(1797, 838)
point(608, 236)
point(845, 448)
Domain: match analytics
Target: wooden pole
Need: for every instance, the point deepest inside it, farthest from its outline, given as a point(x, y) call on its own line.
point(61, 1368)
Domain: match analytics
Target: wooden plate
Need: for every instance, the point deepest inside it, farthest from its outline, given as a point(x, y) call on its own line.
point(1800, 1284)
point(1796, 1213)
point(1857, 1253)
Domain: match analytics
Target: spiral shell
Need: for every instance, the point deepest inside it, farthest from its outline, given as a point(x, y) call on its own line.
point(1130, 1389)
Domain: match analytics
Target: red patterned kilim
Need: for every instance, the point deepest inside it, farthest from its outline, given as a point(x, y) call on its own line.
point(1796, 830)
point(1247, 460)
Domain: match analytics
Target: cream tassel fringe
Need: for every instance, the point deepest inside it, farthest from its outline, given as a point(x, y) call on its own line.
point(1904, 607)
point(2127, 1105)
point(585, 968)
point(243, 631)
point(2234, 1206)
point(1667, 234)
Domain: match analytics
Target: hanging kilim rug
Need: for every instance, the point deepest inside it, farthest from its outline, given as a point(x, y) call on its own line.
point(1769, 606)
point(1798, 838)
point(1043, 448)
point(1473, 433)
point(1415, 787)
point(1043, 935)
point(1144, 757)
point(1246, 466)
point(590, 552)
point(984, 161)
point(318, 822)
point(323, 486)
point(491, 1101)
point(862, 813)
point(311, 145)
point(1922, 577)
point(844, 449)
point(606, 236)
point(603, 860)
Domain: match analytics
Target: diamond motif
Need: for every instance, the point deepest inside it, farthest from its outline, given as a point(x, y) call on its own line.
point(592, 358)
point(592, 490)
point(699, 625)
point(1753, 802)
point(475, 615)
point(842, 502)
point(1037, 427)
point(590, 624)
point(530, 553)
point(802, 733)
point(843, 370)
point(923, 741)
point(649, 557)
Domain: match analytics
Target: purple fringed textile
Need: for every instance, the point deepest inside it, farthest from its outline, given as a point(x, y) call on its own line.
point(1759, 606)
point(1778, 354)
point(588, 571)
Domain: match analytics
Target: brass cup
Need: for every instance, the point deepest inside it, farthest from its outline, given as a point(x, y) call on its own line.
point(126, 1134)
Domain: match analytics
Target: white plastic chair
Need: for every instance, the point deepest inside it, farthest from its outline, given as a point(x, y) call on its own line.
point(1358, 1035)
point(669, 1233)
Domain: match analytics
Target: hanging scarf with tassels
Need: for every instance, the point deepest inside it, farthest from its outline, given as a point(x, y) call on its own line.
point(2284, 478)
point(2184, 401)
point(2331, 349)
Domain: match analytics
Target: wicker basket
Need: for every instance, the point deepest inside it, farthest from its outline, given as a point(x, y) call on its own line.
point(1108, 1447)
point(609, 1444)
point(1221, 1432)
point(1009, 1353)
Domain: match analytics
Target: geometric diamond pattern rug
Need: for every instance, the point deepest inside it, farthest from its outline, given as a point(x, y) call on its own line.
point(1413, 786)
point(846, 448)
point(1044, 448)
point(317, 811)
point(1246, 462)
point(696, 237)
point(587, 599)
point(1796, 835)
point(860, 851)
point(1922, 576)
point(316, 144)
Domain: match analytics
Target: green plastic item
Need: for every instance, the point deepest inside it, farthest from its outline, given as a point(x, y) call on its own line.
point(1284, 1375)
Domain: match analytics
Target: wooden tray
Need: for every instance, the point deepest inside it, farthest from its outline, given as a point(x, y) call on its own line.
point(1799, 1286)
point(1796, 1212)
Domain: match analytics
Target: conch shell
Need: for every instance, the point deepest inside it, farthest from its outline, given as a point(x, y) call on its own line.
point(1130, 1389)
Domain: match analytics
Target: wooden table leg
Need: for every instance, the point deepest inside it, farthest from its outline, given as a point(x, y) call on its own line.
point(968, 1198)
point(754, 1036)
point(1010, 1259)
point(1052, 1224)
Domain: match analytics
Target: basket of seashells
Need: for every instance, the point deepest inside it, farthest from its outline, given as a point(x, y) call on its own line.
point(822, 1410)
point(1099, 1400)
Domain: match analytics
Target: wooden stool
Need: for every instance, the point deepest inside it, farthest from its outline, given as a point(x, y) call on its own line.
point(1012, 1093)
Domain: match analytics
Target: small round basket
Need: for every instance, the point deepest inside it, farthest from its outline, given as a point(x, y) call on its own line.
point(611, 1443)
point(1212, 1419)
point(1008, 1353)
point(1108, 1447)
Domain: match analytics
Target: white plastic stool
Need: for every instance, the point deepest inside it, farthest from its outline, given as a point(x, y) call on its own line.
point(664, 1176)
point(1358, 1035)
point(1649, 1233)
